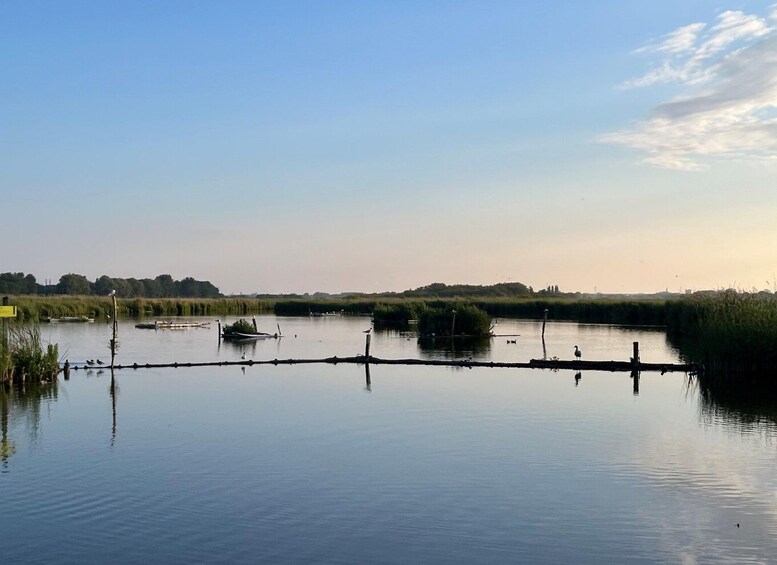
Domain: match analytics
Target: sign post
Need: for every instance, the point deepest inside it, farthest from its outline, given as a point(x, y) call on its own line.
point(6, 311)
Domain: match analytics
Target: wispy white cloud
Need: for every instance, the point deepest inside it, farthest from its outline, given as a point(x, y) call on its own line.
point(727, 103)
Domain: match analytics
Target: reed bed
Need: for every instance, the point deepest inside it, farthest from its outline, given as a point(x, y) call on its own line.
point(24, 357)
point(40, 307)
point(729, 333)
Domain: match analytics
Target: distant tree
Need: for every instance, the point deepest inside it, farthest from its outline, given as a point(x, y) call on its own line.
point(17, 283)
point(151, 288)
point(73, 284)
point(167, 285)
point(137, 288)
point(103, 285)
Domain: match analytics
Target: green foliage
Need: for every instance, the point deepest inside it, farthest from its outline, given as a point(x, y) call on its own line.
point(397, 314)
point(163, 286)
point(36, 307)
point(465, 319)
point(241, 326)
point(25, 357)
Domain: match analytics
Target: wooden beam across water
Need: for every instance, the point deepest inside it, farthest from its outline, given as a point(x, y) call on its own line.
point(576, 365)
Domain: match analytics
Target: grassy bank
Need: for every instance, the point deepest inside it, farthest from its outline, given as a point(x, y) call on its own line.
point(37, 307)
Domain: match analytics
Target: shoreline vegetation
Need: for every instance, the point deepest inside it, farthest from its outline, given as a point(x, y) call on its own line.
point(728, 332)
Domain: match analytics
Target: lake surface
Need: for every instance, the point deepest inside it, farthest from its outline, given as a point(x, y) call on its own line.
point(290, 464)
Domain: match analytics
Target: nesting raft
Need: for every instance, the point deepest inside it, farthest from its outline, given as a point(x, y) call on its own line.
point(576, 365)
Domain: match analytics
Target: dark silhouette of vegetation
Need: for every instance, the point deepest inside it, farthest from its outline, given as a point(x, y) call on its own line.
point(465, 319)
point(727, 332)
point(38, 307)
point(71, 284)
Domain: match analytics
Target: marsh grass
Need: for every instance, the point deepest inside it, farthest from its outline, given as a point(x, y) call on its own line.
point(728, 332)
point(25, 358)
point(38, 307)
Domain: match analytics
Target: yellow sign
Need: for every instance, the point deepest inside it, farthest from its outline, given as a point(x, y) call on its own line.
point(7, 311)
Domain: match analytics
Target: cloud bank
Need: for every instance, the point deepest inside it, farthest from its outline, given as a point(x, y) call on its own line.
point(726, 104)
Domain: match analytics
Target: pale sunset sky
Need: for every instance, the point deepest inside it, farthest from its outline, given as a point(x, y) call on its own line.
point(618, 146)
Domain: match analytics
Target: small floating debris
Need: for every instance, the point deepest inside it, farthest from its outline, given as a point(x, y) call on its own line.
point(67, 319)
point(171, 325)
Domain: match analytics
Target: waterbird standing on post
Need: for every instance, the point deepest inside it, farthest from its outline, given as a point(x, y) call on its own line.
point(578, 353)
point(112, 292)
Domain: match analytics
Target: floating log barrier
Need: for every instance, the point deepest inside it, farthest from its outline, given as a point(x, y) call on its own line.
point(577, 365)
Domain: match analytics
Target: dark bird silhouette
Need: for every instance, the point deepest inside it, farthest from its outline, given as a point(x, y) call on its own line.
point(368, 331)
point(90, 361)
point(100, 362)
point(578, 353)
point(243, 356)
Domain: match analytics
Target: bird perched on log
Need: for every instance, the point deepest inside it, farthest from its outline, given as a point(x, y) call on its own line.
point(578, 353)
point(112, 292)
point(90, 361)
point(243, 356)
point(368, 331)
point(100, 362)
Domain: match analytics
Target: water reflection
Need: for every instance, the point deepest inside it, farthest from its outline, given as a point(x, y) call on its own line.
point(454, 347)
point(114, 392)
point(22, 401)
point(737, 402)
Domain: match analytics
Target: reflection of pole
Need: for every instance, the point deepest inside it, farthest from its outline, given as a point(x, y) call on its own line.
point(113, 406)
point(635, 378)
point(367, 374)
point(115, 330)
point(6, 446)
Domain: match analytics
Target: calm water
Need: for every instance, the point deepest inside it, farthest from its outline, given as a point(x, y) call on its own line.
point(424, 464)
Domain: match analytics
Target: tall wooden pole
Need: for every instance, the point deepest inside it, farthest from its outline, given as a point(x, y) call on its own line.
point(115, 330)
point(5, 327)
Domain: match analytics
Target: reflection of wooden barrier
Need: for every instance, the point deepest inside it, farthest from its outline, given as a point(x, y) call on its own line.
point(625, 366)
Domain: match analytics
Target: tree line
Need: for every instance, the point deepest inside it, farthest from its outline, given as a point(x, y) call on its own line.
point(163, 286)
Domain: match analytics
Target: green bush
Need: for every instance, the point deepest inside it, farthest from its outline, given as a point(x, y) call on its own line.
point(464, 319)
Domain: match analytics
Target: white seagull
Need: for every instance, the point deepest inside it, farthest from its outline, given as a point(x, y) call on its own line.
point(112, 292)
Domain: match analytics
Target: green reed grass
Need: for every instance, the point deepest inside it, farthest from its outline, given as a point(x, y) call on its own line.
point(40, 307)
point(25, 358)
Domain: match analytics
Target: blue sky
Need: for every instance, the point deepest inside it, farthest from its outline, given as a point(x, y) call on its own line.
point(335, 146)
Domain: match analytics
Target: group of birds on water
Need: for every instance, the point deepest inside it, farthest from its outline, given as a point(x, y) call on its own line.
point(91, 362)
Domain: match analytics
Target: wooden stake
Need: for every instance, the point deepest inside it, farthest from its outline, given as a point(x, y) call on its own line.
point(544, 321)
point(367, 348)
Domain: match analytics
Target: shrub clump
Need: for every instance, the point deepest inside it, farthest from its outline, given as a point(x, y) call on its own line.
point(463, 320)
point(240, 327)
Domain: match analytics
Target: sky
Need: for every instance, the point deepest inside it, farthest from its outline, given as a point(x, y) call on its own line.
point(602, 146)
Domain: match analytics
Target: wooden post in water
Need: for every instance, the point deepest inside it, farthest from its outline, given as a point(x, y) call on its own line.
point(219, 323)
point(635, 358)
point(453, 324)
point(5, 327)
point(115, 329)
point(544, 321)
point(256, 328)
point(367, 348)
